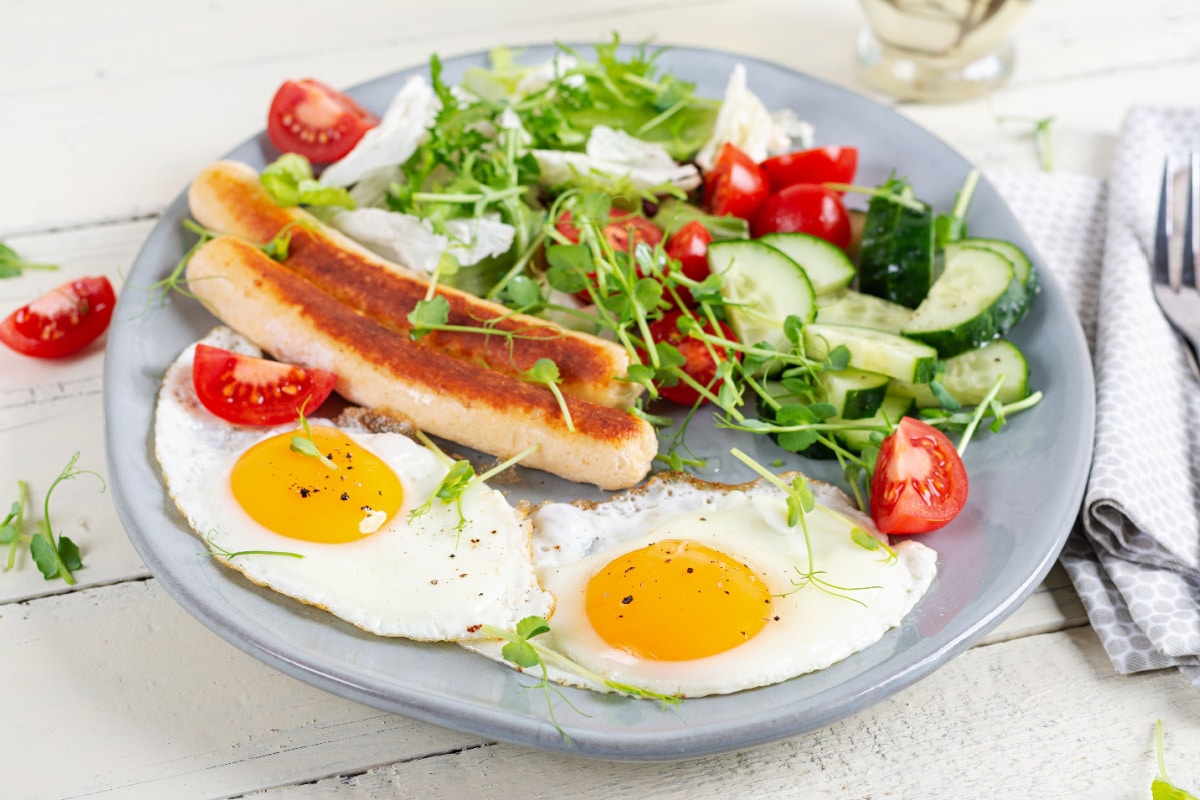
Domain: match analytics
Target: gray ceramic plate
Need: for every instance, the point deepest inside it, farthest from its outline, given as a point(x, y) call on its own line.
point(1026, 488)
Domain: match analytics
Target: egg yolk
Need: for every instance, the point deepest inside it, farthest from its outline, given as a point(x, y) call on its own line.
point(676, 600)
point(297, 495)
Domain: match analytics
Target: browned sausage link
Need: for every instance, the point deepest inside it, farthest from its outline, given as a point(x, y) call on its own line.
point(379, 368)
point(228, 197)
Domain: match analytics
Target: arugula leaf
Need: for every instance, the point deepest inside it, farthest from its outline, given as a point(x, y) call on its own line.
point(12, 265)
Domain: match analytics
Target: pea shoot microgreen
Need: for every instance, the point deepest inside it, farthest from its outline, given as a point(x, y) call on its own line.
point(460, 477)
point(57, 558)
point(520, 649)
point(545, 371)
point(12, 528)
point(217, 550)
point(1161, 787)
point(12, 265)
point(277, 248)
point(1043, 136)
point(801, 502)
point(305, 446)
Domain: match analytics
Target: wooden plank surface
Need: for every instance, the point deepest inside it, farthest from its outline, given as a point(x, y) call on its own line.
point(113, 690)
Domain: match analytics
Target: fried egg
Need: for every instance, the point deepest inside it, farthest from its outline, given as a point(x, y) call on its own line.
point(346, 539)
point(690, 588)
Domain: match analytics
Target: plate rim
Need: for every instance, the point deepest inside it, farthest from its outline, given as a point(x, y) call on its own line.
point(536, 732)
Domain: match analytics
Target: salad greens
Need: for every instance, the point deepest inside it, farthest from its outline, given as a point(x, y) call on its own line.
point(55, 557)
point(12, 265)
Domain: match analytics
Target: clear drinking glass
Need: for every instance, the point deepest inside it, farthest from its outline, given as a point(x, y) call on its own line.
point(937, 51)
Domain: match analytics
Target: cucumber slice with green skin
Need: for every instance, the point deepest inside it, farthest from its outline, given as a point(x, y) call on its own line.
point(1023, 268)
point(977, 299)
point(971, 375)
point(874, 351)
point(855, 393)
point(894, 407)
point(849, 307)
point(827, 266)
point(762, 287)
point(896, 257)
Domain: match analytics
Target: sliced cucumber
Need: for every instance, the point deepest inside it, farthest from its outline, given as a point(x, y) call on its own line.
point(1023, 268)
point(971, 375)
point(763, 287)
point(977, 299)
point(849, 307)
point(895, 259)
point(894, 407)
point(827, 266)
point(855, 393)
point(874, 351)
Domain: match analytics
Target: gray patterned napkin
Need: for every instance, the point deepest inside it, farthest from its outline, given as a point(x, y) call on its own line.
point(1135, 559)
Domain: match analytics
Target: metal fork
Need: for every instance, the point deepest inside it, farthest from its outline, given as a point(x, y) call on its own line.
point(1176, 246)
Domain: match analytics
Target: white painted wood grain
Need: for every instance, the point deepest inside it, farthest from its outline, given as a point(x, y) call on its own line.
point(50, 410)
point(128, 99)
point(151, 705)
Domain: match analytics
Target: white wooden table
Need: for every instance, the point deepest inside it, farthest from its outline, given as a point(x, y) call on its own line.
point(110, 689)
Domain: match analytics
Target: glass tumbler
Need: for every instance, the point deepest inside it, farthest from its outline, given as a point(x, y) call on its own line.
point(937, 51)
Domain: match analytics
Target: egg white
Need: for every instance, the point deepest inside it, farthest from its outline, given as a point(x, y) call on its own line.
point(419, 578)
point(813, 629)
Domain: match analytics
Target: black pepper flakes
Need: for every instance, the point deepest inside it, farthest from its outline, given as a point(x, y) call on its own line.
point(627, 599)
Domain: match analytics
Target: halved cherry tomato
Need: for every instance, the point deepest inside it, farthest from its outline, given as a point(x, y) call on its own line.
point(254, 391)
point(689, 247)
point(920, 483)
point(700, 364)
point(63, 321)
point(626, 232)
point(818, 165)
point(806, 208)
point(319, 123)
point(736, 185)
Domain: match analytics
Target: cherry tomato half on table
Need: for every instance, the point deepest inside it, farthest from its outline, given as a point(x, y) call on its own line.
point(736, 185)
point(920, 483)
point(818, 165)
point(319, 123)
point(700, 364)
point(806, 208)
point(62, 321)
point(255, 391)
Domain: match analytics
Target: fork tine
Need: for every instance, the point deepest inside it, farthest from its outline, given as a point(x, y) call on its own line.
point(1162, 229)
point(1191, 233)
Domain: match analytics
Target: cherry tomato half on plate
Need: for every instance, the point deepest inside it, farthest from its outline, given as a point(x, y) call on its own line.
point(62, 321)
point(319, 123)
point(626, 232)
point(736, 185)
point(920, 483)
point(255, 391)
point(806, 208)
point(689, 247)
point(700, 363)
point(818, 165)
